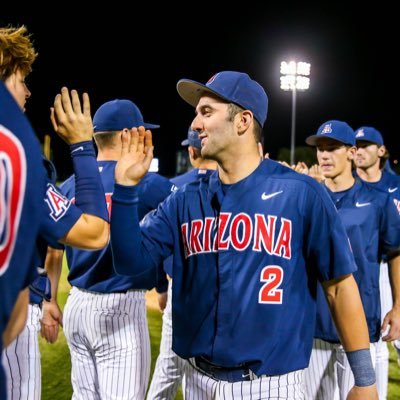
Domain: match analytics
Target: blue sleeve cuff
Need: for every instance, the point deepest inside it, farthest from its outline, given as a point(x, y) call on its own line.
point(125, 194)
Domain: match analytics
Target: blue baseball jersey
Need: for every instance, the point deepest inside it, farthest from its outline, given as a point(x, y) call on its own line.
point(246, 259)
point(388, 183)
point(93, 270)
point(193, 175)
point(58, 217)
point(372, 222)
point(22, 181)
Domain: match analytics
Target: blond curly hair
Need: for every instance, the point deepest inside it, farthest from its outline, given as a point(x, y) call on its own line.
point(16, 51)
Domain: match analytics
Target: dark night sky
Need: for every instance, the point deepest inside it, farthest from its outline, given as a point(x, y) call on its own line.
point(116, 54)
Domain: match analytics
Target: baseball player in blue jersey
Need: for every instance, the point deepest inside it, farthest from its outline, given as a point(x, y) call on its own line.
point(371, 160)
point(372, 222)
point(59, 220)
point(105, 321)
point(22, 173)
point(169, 369)
point(249, 244)
point(84, 224)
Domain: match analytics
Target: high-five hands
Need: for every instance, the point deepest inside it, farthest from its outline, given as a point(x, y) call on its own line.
point(136, 156)
point(71, 121)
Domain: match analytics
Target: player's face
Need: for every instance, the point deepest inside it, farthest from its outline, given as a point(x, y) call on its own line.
point(334, 157)
point(216, 131)
point(368, 154)
point(15, 83)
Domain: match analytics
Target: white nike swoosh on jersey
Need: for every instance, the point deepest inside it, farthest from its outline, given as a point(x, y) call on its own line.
point(391, 190)
point(77, 149)
point(265, 196)
point(362, 204)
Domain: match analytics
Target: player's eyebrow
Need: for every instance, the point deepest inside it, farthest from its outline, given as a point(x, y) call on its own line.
point(204, 108)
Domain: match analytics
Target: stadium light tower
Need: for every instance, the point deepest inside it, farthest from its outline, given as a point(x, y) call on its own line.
point(294, 77)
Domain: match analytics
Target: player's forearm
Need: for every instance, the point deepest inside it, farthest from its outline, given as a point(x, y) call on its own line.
point(89, 233)
point(129, 255)
point(17, 320)
point(89, 192)
point(348, 313)
point(53, 266)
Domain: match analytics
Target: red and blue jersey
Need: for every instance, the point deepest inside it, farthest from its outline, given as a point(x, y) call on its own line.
point(246, 260)
point(372, 222)
point(22, 183)
point(193, 175)
point(93, 270)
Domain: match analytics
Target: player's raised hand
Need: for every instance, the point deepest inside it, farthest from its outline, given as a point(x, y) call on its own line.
point(301, 168)
point(315, 172)
point(363, 393)
point(136, 156)
point(71, 120)
point(50, 321)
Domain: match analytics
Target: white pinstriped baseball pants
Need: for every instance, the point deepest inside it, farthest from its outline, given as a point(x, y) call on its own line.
point(382, 351)
point(108, 338)
point(280, 387)
point(169, 370)
point(21, 360)
point(329, 375)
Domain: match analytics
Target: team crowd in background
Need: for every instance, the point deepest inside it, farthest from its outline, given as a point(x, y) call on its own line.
point(276, 281)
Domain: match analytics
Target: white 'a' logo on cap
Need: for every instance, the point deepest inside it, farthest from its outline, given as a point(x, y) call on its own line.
point(360, 133)
point(327, 129)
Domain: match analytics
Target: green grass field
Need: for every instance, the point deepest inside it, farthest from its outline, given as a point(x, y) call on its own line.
point(56, 364)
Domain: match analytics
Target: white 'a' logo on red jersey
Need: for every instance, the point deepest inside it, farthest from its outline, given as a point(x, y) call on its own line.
point(58, 204)
point(12, 192)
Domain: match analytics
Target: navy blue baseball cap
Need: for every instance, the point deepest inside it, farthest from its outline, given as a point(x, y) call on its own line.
point(116, 115)
point(192, 139)
point(369, 134)
point(333, 129)
point(231, 86)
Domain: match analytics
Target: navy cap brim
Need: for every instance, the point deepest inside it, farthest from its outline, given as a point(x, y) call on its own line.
point(151, 126)
point(312, 140)
point(191, 91)
point(185, 142)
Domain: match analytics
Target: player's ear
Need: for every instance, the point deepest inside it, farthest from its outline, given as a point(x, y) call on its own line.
point(244, 120)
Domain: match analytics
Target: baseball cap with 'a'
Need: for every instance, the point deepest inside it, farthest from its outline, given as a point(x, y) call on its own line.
point(333, 129)
point(192, 139)
point(116, 115)
point(231, 86)
point(369, 134)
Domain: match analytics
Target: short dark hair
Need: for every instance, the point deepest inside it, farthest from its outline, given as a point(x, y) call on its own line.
point(105, 139)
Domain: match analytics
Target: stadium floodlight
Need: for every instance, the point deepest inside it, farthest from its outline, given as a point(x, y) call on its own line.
point(295, 76)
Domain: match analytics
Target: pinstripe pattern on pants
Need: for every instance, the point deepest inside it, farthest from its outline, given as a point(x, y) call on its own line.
point(109, 342)
point(21, 360)
point(329, 375)
point(169, 370)
point(281, 387)
point(382, 351)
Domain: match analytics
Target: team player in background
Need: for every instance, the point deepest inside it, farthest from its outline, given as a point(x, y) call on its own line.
point(372, 222)
point(105, 321)
point(371, 160)
point(22, 173)
point(248, 245)
point(85, 224)
point(169, 369)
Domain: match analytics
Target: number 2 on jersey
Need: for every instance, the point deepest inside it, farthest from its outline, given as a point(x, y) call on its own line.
point(272, 275)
